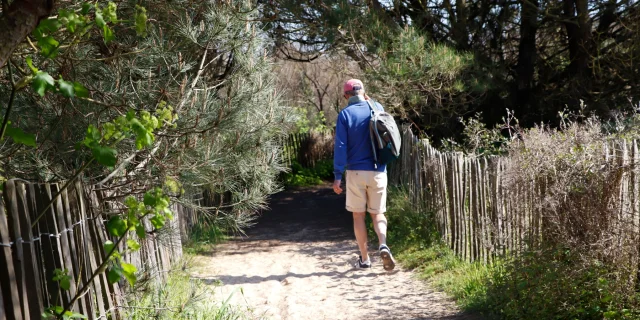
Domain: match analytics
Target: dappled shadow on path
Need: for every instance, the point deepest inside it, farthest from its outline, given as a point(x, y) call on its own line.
point(296, 263)
point(304, 215)
point(244, 279)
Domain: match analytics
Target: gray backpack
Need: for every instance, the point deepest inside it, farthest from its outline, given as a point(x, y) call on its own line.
point(385, 136)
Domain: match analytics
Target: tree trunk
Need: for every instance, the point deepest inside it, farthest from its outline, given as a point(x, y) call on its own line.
point(458, 20)
point(527, 47)
point(497, 38)
point(578, 29)
point(460, 30)
point(20, 19)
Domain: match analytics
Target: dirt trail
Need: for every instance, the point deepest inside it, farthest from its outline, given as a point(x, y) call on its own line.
point(296, 264)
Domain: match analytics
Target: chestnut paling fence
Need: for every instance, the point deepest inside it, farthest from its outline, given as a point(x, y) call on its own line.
point(480, 215)
point(70, 236)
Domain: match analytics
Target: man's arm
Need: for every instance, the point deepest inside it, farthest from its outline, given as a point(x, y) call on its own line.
point(339, 151)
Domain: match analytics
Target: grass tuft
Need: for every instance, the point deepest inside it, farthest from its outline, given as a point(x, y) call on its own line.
point(182, 297)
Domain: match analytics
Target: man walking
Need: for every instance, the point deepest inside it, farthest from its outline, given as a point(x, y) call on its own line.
point(366, 181)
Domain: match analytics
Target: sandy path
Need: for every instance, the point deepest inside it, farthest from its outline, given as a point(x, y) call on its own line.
point(296, 264)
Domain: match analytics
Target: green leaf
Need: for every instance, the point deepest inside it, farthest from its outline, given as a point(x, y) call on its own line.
point(163, 202)
point(58, 274)
point(149, 199)
point(172, 184)
point(48, 46)
point(86, 7)
point(130, 202)
point(42, 82)
point(116, 226)
point(155, 124)
point(100, 19)
point(607, 298)
point(107, 34)
point(80, 90)
point(105, 155)
point(66, 88)
point(137, 127)
point(63, 278)
point(57, 309)
point(20, 136)
point(109, 129)
point(141, 21)
point(129, 272)
point(131, 115)
point(168, 213)
point(71, 20)
point(110, 12)
point(141, 232)
point(108, 246)
point(114, 274)
point(133, 245)
point(51, 312)
point(157, 221)
point(49, 26)
point(92, 137)
point(75, 315)
point(30, 64)
point(65, 283)
point(144, 140)
point(132, 219)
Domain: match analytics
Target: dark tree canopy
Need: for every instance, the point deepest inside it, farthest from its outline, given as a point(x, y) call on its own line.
point(532, 56)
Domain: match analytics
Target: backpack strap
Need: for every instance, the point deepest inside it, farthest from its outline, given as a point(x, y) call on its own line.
point(372, 104)
point(371, 137)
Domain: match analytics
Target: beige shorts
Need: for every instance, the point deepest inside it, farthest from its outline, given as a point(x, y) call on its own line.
point(366, 191)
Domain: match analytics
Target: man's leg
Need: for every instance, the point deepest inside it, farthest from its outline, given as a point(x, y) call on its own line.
point(377, 204)
point(380, 225)
point(357, 204)
point(360, 229)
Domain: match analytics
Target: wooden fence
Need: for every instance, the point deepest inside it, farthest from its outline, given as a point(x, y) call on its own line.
point(70, 236)
point(308, 148)
point(481, 215)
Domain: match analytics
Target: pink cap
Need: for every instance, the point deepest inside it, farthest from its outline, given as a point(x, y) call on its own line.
point(353, 84)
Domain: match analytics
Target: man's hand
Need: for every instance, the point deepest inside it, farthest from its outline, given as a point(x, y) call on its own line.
point(336, 187)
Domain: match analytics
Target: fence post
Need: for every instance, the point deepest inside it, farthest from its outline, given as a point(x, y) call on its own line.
point(8, 280)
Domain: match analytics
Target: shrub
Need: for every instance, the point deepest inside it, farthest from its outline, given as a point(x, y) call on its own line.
point(301, 176)
point(581, 175)
point(553, 284)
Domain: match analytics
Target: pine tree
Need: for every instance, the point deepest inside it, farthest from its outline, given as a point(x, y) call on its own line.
point(199, 70)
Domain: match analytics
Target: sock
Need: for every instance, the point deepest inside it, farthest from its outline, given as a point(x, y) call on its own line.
point(384, 245)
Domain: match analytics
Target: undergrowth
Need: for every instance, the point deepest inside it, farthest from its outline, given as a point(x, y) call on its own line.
point(183, 297)
point(548, 283)
point(203, 236)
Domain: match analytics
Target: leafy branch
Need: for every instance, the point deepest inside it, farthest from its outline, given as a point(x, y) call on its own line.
point(101, 144)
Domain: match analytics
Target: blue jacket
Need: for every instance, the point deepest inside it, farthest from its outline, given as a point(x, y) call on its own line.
point(352, 149)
